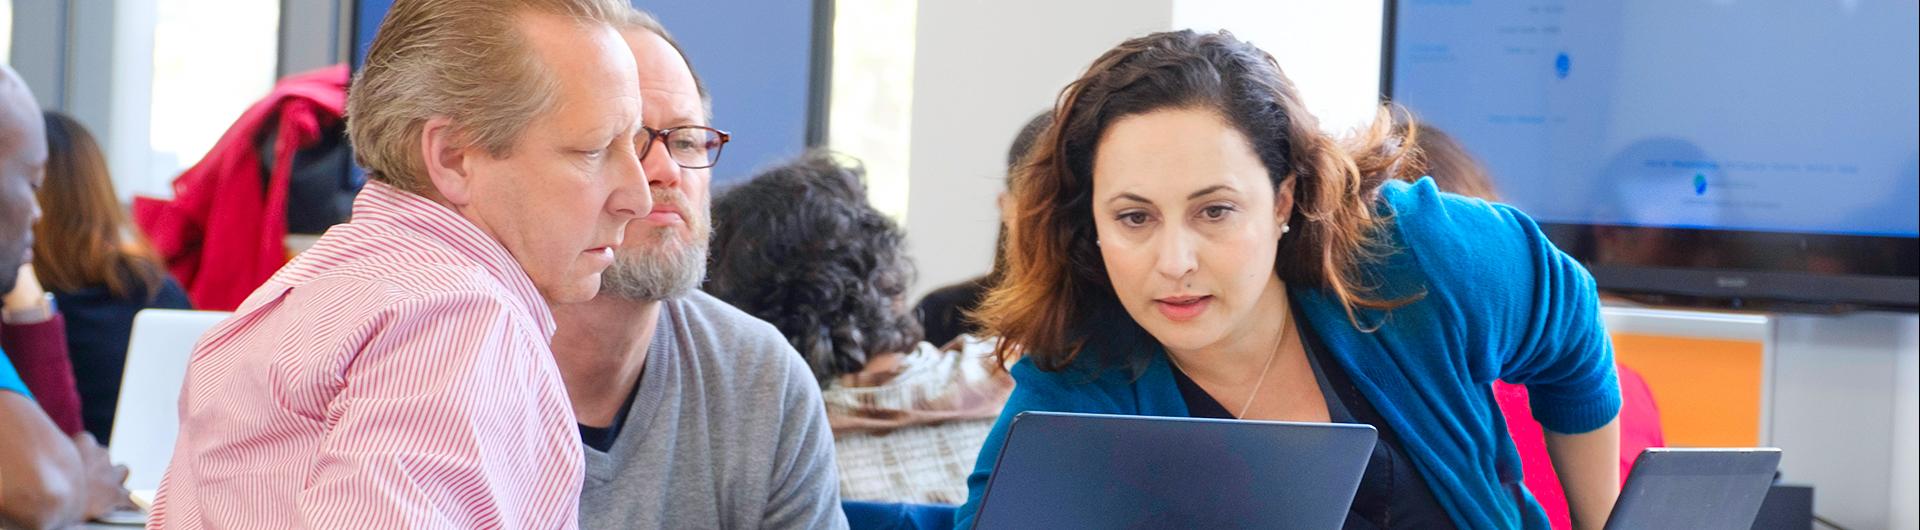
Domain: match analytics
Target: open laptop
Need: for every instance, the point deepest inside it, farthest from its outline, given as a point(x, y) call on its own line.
point(147, 417)
point(1062, 470)
point(1695, 489)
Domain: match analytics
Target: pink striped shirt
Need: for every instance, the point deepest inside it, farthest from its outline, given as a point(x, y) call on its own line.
point(396, 375)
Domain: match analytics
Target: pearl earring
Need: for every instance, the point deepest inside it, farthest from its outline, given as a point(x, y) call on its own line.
point(1284, 228)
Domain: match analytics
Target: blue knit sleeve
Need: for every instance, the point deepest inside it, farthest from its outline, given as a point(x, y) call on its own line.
point(1069, 390)
point(1565, 358)
point(1530, 312)
point(10, 378)
point(1032, 390)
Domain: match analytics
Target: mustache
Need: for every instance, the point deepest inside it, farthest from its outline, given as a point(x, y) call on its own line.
point(670, 196)
point(694, 214)
point(680, 202)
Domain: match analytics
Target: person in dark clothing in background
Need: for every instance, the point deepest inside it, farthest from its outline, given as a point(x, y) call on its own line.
point(99, 268)
point(944, 313)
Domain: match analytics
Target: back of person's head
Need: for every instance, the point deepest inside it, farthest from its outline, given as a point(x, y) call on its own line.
point(1023, 141)
point(83, 239)
point(466, 60)
point(20, 127)
point(1453, 169)
point(800, 247)
point(638, 19)
point(1057, 293)
point(1017, 151)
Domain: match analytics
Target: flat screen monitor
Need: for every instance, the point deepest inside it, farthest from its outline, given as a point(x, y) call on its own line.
point(1718, 153)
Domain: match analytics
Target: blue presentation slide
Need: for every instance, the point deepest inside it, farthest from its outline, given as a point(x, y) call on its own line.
point(1778, 116)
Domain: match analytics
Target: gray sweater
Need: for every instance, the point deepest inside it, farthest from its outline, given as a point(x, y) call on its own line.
point(727, 431)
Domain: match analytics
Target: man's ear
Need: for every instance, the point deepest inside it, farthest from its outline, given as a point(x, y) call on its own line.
point(444, 157)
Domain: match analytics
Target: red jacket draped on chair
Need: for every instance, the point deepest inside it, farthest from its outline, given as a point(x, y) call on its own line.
point(223, 233)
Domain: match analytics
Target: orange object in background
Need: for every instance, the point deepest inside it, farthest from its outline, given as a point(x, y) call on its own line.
point(1676, 391)
point(1709, 390)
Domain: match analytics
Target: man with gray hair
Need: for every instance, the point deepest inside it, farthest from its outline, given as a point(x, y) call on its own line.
point(398, 374)
point(694, 414)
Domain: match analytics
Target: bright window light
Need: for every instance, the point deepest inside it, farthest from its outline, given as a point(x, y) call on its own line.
point(203, 80)
point(870, 112)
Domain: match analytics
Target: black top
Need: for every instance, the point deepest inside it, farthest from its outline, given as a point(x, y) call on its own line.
point(1392, 493)
point(660, 349)
point(98, 327)
point(943, 313)
point(601, 438)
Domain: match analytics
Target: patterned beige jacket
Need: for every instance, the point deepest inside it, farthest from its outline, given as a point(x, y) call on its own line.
point(910, 433)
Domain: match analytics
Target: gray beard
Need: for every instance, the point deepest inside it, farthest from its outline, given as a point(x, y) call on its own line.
point(670, 270)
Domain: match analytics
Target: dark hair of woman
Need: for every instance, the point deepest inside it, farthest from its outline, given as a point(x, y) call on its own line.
point(800, 247)
point(83, 239)
point(1056, 295)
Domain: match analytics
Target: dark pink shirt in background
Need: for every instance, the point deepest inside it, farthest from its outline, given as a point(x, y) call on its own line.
point(1639, 430)
point(39, 353)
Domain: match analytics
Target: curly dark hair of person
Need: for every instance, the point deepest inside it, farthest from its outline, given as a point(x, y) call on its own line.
point(800, 247)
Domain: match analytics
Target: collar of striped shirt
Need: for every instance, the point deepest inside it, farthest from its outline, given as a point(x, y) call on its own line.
point(385, 206)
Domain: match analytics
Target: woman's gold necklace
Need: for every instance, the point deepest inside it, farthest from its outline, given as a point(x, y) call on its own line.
point(1248, 405)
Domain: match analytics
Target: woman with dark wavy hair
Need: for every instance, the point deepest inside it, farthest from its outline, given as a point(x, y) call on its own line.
point(1188, 243)
point(799, 246)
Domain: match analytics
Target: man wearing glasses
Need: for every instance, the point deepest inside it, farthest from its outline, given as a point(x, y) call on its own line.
point(694, 414)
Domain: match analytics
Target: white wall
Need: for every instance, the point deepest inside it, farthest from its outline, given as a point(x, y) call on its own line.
point(129, 98)
point(1905, 492)
point(978, 77)
point(1331, 50)
point(145, 77)
point(37, 49)
point(96, 65)
point(1843, 414)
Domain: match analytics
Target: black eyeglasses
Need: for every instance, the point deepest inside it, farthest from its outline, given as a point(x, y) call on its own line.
point(690, 146)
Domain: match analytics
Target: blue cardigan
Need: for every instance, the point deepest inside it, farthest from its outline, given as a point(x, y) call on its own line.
point(1498, 302)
